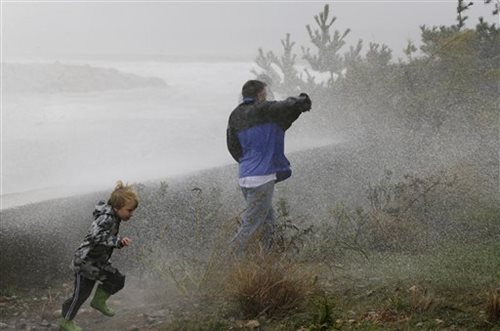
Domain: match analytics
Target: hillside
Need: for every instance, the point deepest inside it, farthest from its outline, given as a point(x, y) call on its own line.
point(322, 178)
point(184, 223)
point(59, 77)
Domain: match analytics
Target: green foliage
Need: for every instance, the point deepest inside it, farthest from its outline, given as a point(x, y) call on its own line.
point(285, 64)
point(453, 83)
point(460, 9)
point(9, 291)
point(496, 6)
point(322, 315)
point(327, 58)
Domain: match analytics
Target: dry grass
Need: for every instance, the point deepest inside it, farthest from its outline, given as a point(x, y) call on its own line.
point(266, 284)
point(420, 299)
point(493, 308)
point(390, 233)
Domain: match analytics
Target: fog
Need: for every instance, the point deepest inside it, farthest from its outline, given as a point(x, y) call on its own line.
point(62, 142)
point(206, 29)
point(70, 142)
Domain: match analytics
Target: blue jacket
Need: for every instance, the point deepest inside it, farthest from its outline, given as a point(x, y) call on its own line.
point(256, 135)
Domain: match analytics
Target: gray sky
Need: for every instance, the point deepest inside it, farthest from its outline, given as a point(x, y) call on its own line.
point(58, 29)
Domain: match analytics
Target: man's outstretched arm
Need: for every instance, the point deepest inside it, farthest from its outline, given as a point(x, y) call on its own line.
point(288, 111)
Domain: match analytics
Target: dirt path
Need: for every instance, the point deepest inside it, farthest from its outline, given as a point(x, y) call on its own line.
point(42, 311)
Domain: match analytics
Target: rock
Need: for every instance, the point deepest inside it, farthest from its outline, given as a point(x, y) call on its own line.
point(419, 324)
point(159, 313)
point(253, 324)
point(439, 321)
point(154, 324)
point(3, 325)
point(57, 313)
point(45, 323)
point(151, 320)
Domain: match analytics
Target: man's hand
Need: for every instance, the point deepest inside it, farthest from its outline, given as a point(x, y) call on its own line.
point(306, 103)
point(125, 241)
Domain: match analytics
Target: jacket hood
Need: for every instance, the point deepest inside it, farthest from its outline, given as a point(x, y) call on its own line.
point(102, 208)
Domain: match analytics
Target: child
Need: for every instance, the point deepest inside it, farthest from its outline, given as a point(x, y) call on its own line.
point(91, 259)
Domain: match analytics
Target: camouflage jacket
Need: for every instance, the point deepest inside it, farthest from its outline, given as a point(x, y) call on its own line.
point(102, 238)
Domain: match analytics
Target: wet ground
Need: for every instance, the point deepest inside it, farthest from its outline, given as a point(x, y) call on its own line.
point(41, 311)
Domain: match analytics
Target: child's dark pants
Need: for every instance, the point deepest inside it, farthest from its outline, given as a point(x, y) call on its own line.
point(112, 281)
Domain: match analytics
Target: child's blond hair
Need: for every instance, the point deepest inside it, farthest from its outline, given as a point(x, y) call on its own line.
point(121, 195)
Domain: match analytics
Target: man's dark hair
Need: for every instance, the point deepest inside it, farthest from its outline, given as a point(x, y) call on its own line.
point(252, 88)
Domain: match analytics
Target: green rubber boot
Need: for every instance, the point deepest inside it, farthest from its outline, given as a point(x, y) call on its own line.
point(99, 302)
point(68, 325)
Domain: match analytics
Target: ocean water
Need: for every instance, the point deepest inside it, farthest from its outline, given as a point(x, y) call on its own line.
point(67, 143)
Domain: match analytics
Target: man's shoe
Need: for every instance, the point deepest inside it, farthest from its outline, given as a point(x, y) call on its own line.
point(99, 302)
point(68, 325)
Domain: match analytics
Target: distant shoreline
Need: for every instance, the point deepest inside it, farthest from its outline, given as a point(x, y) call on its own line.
point(129, 58)
point(24, 198)
point(134, 58)
point(19, 199)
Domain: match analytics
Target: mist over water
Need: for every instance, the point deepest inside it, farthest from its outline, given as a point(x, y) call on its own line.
point(61, 143)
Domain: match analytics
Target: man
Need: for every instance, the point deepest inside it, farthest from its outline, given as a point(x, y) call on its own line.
point(256, 140)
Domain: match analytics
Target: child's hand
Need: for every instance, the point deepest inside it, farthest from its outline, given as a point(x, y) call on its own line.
point(125, 241)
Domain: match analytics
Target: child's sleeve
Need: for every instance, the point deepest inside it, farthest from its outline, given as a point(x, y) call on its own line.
point(101, 232)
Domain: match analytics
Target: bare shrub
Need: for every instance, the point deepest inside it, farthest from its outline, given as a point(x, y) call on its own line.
point(289, 237)
point(268, 284)
point(401, 213)
point(390, 233)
